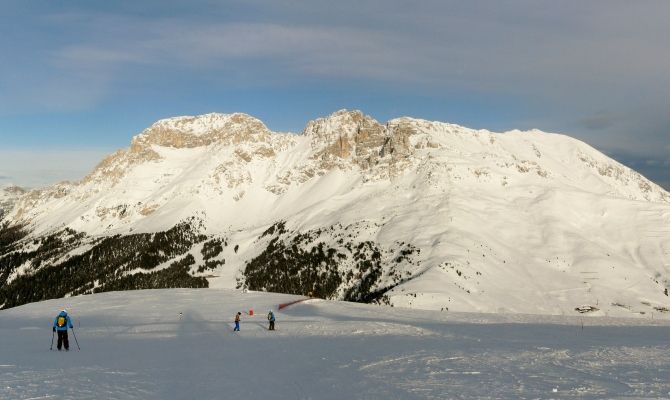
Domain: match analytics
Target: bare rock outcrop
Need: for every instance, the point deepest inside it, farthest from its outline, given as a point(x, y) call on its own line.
point(347, 138)
point(8, 197)
point(203, 130)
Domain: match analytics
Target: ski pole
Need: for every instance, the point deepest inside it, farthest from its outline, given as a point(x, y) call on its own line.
point(52, 340)
point(75, 339)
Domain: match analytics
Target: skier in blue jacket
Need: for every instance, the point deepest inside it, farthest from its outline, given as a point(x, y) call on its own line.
point(271, 318)
point(61, 323)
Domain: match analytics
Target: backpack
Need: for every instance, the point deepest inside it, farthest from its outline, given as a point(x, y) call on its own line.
point(61, 321)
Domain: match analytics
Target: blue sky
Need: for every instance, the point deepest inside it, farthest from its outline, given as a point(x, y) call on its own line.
point(79, 78)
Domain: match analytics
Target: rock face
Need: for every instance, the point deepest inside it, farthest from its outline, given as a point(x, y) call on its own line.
point(408, 212)
point(352, 138)
point(186, 132)
point(8, 196)
point(203, 130)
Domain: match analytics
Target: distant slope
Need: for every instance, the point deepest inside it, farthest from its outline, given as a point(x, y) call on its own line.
point(410, 213)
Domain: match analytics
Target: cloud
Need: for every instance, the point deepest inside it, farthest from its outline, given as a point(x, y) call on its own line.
point(565, 55)
point(475, 51)
point(284, 51)
point(599, 121)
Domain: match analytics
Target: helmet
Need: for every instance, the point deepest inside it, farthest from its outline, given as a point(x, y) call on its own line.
point(64, 310)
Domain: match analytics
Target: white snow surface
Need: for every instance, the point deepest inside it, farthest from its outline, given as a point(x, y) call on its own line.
point(179, 344)
point(526, 222)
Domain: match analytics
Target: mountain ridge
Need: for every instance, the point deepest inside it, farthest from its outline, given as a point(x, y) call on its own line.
point(409, 212)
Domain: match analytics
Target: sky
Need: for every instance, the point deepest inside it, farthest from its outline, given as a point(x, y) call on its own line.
point(79, 78)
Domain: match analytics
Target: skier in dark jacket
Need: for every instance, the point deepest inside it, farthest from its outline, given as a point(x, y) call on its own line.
point(271, 318)
point(61, 323)
point(237, 321)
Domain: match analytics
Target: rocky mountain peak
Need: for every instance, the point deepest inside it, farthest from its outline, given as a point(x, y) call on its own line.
point(202, 130)
point(185, 132)
point(354, 136)
point(340, 124)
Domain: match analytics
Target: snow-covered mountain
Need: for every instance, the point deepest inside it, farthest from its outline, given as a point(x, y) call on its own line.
point(410, 212)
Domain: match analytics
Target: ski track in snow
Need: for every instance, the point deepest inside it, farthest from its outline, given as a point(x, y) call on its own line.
point(136, 345)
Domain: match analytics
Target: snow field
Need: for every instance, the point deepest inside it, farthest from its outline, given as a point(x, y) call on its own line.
point(137, 345)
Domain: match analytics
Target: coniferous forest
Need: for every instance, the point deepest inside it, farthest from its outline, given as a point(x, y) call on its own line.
point(325, 263)
point(47, 267)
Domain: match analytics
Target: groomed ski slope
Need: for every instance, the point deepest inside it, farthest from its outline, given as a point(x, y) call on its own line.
point(135, 345)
